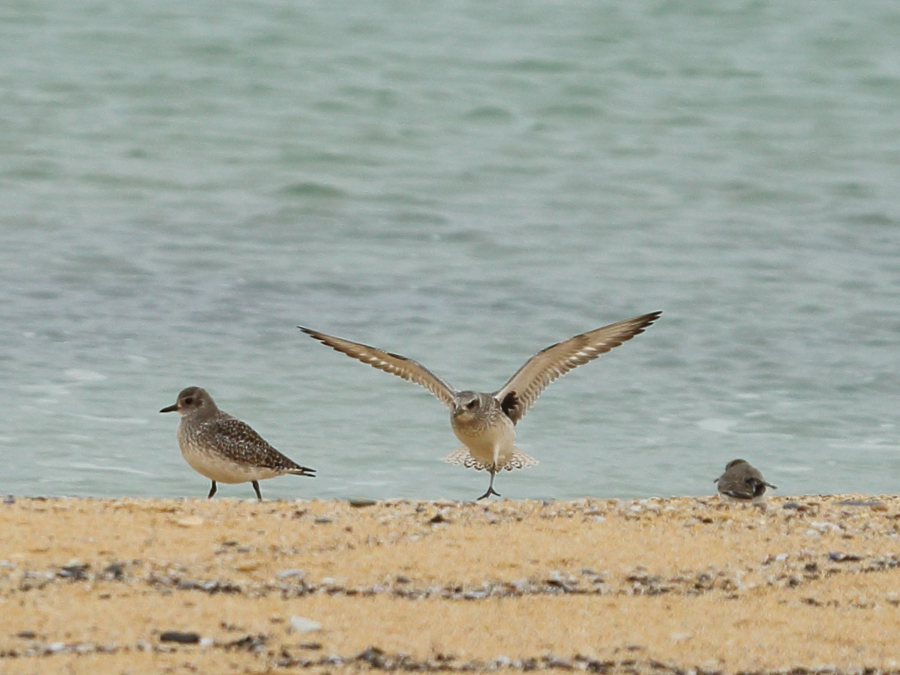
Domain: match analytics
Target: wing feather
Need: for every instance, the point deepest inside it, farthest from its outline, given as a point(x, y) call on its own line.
point(240, 441)
point(389, 363)
point(522, 390)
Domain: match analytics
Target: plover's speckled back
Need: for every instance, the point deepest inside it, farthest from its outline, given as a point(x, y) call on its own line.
point(223, 448)
point(743, 483)
point(486, 423)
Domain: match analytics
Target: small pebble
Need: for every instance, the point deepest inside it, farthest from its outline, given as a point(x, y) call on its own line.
point(190, 521)
point(860, 502)
point(301, 624)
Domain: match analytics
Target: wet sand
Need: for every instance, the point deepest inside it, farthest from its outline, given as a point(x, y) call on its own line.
point(659, 585)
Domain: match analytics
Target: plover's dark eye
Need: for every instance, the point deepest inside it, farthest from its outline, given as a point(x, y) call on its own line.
point(471, 405)
point(189, 400)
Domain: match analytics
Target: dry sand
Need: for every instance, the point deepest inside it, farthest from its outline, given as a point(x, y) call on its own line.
point(638, 586)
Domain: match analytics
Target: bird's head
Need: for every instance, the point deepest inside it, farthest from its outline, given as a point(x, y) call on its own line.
point(192, 401)
point(466, 405)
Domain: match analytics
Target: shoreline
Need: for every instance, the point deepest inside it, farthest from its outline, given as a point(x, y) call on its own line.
point(635, 585)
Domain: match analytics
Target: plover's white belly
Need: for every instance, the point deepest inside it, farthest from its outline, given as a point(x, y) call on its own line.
point(221, 469)
point(483, 443)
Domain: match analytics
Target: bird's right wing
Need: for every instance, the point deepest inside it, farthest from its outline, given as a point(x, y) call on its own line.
point(389, 363)
point(523, 388)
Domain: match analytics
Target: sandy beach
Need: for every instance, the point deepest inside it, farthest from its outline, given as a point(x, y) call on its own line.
point(658, 585)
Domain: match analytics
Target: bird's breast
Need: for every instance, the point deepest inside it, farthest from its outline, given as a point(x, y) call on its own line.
point(482, 434)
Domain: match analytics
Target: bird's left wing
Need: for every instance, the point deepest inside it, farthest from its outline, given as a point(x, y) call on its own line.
point(519, 394)
point(389, 363)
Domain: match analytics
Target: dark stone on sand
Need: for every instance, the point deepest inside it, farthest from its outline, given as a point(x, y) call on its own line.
point(250, 643)
point(835, 556)
point(211, 587)
point(180, 638)
point(115, 571)
point(74, 572)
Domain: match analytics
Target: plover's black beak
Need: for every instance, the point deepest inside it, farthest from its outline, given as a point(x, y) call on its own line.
point(171, 408)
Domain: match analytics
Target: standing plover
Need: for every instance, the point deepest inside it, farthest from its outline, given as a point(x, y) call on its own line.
point(743, 483)
point(223, 448)
point(485, 423)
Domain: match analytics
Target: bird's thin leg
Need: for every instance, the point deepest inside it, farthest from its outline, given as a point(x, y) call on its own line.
point(490, 490)
point(212, 490)
point(256, 487)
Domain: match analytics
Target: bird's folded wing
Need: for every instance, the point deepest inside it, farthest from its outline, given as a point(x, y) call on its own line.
point(557, 360)
point(238, 440)
point(389, 363)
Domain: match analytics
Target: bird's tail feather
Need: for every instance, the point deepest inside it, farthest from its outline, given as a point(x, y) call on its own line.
point(520, 460)
point(461, 455)
point(303, 471)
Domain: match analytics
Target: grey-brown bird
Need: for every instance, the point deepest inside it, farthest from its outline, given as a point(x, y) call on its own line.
point(486, 422)
point(743, 483)
point(223, 448)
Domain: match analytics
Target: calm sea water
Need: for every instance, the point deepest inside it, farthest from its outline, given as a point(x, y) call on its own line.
point(465, 183)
